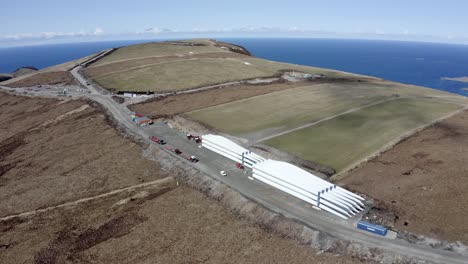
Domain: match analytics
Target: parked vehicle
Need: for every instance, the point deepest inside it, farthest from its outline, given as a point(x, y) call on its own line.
point(143, 121)
point(376, 229)
point(177, 151)
point(157, 140)
point(223, 173)
point(197, 139)
point(189, 158)
point(240, 166)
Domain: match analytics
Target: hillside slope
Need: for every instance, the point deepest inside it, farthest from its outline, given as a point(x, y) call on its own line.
point(54, 152)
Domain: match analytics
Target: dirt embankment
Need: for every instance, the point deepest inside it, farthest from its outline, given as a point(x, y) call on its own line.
point(55, 151)
point(44, 78)
point(421, 183)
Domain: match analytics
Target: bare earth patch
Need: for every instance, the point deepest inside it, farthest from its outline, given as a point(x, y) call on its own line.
point(423, 180)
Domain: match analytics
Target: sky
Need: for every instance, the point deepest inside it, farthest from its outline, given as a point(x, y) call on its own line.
point(30, 22)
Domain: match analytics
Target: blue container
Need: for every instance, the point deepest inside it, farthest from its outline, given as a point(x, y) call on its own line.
point(376, 229)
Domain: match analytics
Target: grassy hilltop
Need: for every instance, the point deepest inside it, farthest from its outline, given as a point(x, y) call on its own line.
point(337, 119)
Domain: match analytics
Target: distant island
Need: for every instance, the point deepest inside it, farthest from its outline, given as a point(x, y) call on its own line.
point(456, 79)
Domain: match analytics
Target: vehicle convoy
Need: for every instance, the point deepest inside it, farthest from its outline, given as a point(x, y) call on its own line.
point(376, 229)
point(157, 140)
point(183, 155)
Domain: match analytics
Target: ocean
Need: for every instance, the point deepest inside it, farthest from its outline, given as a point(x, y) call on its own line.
point(416, 63)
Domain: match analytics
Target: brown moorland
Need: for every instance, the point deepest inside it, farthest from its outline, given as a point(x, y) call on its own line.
point(55, 151)
point(423, 180)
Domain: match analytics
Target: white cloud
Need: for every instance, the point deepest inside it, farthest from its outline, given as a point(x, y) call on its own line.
point(98, 31)
point(52, 35)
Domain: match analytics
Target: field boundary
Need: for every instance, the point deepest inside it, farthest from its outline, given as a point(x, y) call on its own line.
point(324, 119)
point(358, 164)
point(139, 58)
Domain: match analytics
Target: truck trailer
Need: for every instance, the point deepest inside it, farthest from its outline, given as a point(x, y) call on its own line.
point(157, 140)
point(376, 229)
point(189, 158)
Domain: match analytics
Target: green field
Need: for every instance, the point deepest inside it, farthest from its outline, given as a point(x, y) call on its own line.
point(347, 139)
point(153, 49)
point(289, 108)
point(180, 75)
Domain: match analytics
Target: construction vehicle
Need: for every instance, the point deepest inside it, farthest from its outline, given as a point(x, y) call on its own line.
point(177, 151)
point(240, 166)
point(157, 140)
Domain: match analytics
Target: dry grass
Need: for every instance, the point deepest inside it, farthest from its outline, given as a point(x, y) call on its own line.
point(181, 75)
point(153, 49)
point(44, 78)
point(174, 105)
point(48, 159)
point(423, 180)
point(126, 65)
point(347, 139)
point(54, 151)
point(290, 108)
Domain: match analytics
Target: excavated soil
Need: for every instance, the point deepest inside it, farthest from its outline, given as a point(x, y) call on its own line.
point(182, 103)
point(421, 183)
point(44, 78)
point(55, 151)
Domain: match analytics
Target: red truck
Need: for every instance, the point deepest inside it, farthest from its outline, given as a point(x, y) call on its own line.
point(171, 149)
point(240, 166)
point(189, 158)
point(197, 139)
point(157, 140)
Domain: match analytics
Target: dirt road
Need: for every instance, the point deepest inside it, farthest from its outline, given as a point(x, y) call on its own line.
point(275, 200)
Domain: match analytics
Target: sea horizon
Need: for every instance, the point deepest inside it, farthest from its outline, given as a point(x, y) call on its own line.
point(417, 63)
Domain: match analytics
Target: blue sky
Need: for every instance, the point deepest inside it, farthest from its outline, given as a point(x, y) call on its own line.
point(53, 21)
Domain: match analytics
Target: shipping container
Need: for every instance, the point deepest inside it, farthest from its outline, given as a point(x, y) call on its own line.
point(376, 229)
